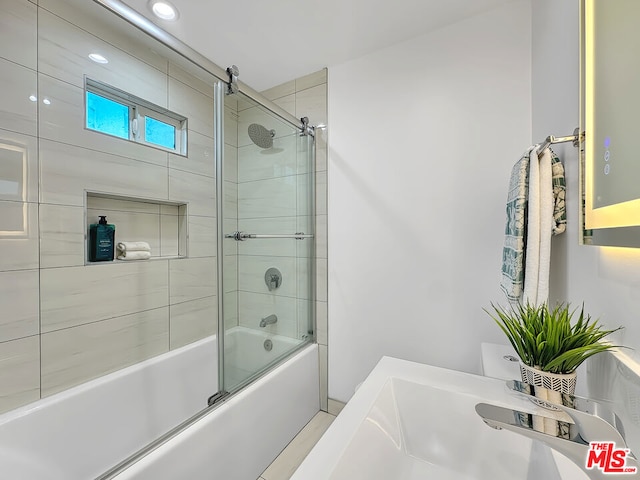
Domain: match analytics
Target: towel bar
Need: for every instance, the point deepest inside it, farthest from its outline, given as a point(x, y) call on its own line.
point(241, 236)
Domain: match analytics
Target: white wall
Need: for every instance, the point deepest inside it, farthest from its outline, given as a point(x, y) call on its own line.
point(422, 138)
point(607, 280)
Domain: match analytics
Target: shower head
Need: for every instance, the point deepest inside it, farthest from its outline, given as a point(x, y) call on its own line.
point(261, 136)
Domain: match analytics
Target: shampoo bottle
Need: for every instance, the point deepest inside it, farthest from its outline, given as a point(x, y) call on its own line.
point(101, 240)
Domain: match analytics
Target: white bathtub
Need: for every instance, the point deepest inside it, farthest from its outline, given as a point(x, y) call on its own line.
point(80, 433)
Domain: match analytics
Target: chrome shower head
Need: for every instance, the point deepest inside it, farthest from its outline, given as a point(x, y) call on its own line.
point(261, 136)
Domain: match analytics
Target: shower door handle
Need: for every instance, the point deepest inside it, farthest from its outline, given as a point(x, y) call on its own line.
point(241, 236)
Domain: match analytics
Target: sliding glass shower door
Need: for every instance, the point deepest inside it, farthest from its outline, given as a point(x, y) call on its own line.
point(267, 207)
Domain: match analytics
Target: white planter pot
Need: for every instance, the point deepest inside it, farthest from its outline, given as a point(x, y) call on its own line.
point(563, 383)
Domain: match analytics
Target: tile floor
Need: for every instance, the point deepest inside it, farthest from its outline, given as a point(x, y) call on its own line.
point(292, 456)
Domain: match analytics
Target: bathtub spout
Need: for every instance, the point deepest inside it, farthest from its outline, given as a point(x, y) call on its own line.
point(270, 320)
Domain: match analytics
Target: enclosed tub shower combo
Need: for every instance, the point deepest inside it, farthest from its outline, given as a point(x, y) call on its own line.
point(192, 355)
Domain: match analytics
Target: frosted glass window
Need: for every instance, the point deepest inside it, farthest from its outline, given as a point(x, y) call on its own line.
point(159, 133)
point(107, 116)
point(118, 113)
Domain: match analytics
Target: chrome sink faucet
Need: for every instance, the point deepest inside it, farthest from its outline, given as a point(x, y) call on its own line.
point(584, 422)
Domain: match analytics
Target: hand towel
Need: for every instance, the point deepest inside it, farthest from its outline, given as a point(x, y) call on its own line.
point(532, 250)
point(559, 191)
point(136, 255)
point(546, 226)
point(512, 279)
point(134, 247)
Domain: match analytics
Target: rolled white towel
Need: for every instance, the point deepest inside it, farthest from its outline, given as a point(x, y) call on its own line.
point(139, 255)
point(133, 247)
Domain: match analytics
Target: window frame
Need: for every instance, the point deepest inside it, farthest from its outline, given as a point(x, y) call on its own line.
point(139, 110)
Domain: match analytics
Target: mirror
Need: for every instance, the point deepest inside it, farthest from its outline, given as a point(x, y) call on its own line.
point(610, 103)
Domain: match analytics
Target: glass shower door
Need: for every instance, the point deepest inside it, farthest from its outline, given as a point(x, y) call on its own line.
point(267, 240)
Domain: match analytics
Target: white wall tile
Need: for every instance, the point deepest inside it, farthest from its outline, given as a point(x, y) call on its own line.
point(321, 159)
point(288, 103)
point(303, 272)
point(18, 236)
point(75, 355)
point(63, 53)
point(303, 194)
point(230, 273)
point(77, 295)
point(230, 125)
point(268, 198)
point(17, 112)
point(255, 163)
point(304, 153)
point(18, 33)
point(118, 33)
point(96, 202)
point(66, 172)
point(321, 236)
point(194, 77)
point(230, 208)
point(200, 160)
point(193, 320)
point(321, 279)
point(321, 322)
point(253, 307)
point(196, 190)
point(278, 247)
point(312, 103)
point(63, 121)
point(202, 236)
point(252, 269)
point(311, 80)
point(230, 163)
point(19, 372)
point(62, 236)
point(231, 309)
point(169, 233)
point(197, 107)
point(19, 302)
point(18, 167)
point(284, 89)
point(192, 278)
point(321, 193)
point(303, 319)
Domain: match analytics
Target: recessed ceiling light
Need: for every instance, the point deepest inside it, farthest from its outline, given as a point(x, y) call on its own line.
point(96, 57)
point(46, 101)
point(163, 9)
point(33, 98)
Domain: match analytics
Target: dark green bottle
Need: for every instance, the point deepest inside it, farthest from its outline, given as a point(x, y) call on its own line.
point(101, 241)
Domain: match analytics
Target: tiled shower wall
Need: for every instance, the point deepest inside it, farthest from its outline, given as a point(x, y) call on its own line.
point(64, 322)
point(307, 96)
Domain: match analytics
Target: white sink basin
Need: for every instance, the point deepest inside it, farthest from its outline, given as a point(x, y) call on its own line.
point(413, 421)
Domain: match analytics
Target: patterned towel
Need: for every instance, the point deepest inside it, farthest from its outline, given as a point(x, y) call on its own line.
point(515, 230)
point(559, 190)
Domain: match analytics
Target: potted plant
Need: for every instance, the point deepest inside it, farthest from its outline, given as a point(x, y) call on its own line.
point(550, 347)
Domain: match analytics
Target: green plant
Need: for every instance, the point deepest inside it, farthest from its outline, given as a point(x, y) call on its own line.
point(544, 338)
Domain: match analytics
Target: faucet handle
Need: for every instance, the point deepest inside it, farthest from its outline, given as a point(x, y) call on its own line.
point(594, 420)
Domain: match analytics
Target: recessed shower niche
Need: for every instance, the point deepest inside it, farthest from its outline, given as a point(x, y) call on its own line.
point(162, 224)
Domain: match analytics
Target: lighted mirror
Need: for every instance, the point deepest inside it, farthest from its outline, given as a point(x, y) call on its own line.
point(610, 106)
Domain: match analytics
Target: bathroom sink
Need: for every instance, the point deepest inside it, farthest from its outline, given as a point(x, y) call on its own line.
point(413, 421)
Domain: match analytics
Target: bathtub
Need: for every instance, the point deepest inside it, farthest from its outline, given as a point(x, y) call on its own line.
point(84, 431)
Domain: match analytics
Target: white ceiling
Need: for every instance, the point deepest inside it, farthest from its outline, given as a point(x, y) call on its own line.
point(273, 41)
